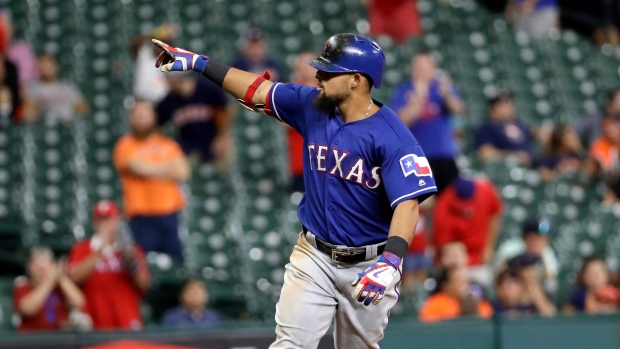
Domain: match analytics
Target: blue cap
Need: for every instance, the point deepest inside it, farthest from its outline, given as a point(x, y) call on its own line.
point(351, 53)
point(464, 188)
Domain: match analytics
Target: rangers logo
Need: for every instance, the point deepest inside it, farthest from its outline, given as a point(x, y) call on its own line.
point(417, 165)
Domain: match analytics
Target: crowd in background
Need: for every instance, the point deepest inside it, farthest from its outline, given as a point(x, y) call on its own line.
point(101, 283)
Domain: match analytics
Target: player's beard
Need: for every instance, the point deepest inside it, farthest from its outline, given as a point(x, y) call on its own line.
point(326, 104)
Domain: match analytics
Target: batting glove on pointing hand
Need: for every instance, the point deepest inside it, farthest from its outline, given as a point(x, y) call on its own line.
point(177, 59)
point(371, 284)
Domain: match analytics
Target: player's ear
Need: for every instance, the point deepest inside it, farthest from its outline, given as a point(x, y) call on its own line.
point(356, 80)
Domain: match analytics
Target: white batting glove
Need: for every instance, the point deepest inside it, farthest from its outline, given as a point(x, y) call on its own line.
point(372, 283)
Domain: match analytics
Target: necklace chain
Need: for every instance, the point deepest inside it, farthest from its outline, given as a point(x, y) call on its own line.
point(368, 109)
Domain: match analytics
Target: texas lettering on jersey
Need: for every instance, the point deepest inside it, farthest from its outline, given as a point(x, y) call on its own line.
point(353, 172)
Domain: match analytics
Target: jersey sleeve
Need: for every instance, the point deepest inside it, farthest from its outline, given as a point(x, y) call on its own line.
point(288, 103)
point(407, 175)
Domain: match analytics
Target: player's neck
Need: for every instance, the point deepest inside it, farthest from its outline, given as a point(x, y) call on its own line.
point(354, 108)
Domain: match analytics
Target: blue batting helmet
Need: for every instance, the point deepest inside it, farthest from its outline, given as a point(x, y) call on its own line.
point(351, 53)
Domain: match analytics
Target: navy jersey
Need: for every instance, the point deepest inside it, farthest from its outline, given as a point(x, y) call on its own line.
point(355, 173)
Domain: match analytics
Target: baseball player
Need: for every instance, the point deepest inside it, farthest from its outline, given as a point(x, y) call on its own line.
point(365, 175)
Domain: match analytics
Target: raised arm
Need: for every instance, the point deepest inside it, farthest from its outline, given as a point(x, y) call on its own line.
point(234, 81)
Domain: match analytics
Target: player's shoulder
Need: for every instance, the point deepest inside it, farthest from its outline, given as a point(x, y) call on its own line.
point(291, 86)
point(285, 92)
point(393, 129)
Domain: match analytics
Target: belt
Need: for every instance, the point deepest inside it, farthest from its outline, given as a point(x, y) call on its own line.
point(341, 254)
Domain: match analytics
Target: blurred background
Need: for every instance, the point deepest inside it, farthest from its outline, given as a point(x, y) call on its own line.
point(152, 208)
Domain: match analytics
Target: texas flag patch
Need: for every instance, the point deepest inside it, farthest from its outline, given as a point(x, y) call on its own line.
point(417, 165)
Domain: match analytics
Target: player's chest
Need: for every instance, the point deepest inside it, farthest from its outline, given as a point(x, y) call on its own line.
point(345, 152)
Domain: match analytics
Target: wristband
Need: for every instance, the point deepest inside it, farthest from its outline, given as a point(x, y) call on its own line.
point(396, 245)
point(216, 72)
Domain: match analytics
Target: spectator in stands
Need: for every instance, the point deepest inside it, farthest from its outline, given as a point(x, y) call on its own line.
point(534, 242)
point(198, 110)
point(453, 254)
point(426, 104)
point(11, 95)
point(18, 52)
point(563, 153)
point(254, 57)
point(49, 98)
point(398, 19)
point(148, 83)
point(594, 292)
point(151, 166)
point(6, 107)
point(503, 135)
point(303, 74)
point(192, 311)
point(454, 298)
point(604, 160)
point(469, 211)
point(599, 19)
point(44, 299)
point(416, 262)
point(112, 272)
point(518, 292)
point(590, 128)
point(604, 151)
point(535, 17)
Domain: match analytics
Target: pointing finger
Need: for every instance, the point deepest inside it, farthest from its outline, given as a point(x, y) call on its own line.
point(163, 46)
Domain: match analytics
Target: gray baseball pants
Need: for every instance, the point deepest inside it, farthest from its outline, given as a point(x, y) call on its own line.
point(315, 291)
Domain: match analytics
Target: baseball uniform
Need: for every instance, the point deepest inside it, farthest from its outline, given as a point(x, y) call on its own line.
point(355, 173)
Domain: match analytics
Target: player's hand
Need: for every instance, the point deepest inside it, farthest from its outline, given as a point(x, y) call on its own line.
point(177, 59)
point(371, 284)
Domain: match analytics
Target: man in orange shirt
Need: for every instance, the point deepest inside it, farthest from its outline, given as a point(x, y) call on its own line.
point(151, 166)
point(111, 271)
point(455, 298)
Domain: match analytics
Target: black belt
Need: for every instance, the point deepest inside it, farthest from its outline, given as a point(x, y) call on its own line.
point(343, 254)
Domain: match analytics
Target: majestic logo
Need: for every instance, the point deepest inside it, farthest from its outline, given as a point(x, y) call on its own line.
point(421, 182)
point(417, 165)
